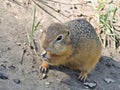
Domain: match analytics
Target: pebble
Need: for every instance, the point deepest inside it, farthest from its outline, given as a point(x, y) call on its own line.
point(58, 11)
point(47, 86)
point(17, 81)
point(18, 43)
point(25, 43)
point(8, 48)
point(12, 67)
point(75, 7)
point(2, 67)
point(44, 76)
point(3, 76)
point(47, 83)
point(109, 80)
point(90, 84)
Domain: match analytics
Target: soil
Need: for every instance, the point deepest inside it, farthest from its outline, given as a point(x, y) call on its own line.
point(19, 67)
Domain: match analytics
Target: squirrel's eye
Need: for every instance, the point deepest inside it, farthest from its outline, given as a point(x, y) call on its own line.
point(59, 38)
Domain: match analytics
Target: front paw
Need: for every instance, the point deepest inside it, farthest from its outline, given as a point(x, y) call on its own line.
point(44, 69)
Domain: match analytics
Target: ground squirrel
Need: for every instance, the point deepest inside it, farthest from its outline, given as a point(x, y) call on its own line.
point(73, 44)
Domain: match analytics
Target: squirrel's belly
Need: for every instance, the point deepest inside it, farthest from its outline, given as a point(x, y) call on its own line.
point(84, 58)
point(75, 62)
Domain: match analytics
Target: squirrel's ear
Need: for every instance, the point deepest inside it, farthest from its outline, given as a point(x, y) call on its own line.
point(67, 29)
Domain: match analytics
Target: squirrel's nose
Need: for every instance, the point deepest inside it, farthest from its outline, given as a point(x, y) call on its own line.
point(43, 54)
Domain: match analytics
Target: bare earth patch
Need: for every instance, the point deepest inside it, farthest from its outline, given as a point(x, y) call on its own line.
point(16, 20)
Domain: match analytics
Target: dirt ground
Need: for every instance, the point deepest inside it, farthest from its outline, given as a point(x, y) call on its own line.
point(16, 20)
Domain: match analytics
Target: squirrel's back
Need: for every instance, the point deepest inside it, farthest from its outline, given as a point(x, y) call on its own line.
point(81, 30)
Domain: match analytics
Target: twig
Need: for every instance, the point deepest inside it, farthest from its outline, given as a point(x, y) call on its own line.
point(53, 8)
point(63, 3)
point(46, 11)
point(24, 51)
point(36, 49)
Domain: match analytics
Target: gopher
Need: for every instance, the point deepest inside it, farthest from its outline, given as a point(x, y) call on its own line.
point(73, 44)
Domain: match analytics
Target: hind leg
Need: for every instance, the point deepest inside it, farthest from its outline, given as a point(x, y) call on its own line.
point(86, 70)
point(83, 75)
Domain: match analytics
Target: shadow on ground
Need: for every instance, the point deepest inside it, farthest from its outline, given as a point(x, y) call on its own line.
point(106, 76)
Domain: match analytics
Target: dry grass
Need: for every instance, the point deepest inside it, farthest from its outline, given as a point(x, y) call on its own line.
point(107, 20)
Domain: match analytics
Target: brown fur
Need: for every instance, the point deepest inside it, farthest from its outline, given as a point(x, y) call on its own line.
point(80, 50)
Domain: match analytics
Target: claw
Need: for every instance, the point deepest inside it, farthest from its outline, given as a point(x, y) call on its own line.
point(83, 76)
point(44, 69)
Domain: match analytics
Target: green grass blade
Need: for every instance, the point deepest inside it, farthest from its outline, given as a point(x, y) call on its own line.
point(30, 35)
point(33, 25)
point(36, 26)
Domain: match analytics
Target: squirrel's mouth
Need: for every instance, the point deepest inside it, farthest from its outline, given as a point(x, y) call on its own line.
point(44, 56)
